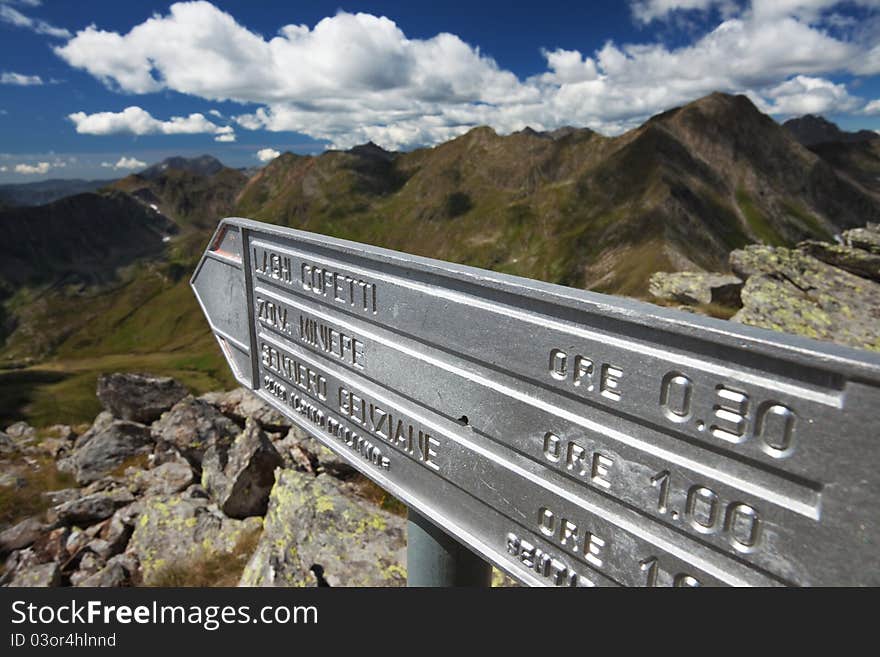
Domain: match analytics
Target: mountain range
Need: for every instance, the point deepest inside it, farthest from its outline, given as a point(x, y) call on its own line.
point(569, 206)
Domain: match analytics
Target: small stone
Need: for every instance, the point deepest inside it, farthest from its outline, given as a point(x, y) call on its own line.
point(39, 575)
point(21, 535)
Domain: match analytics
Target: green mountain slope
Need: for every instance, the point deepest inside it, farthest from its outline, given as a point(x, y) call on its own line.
point(578, 209)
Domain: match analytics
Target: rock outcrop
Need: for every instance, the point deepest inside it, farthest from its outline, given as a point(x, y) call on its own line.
point(175, 531)
point(318, 534)
point(821, 290)
point(696, 287)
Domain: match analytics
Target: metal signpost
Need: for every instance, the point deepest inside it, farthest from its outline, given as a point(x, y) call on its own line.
point(569, 438)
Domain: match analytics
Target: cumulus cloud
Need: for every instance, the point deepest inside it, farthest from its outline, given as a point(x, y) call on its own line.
point(872, 108)
point(20, 79)
point(138, 121)
point(12, 16)
point(358, 77)
point(125, 163)
point(33, 169)
point(267, 154)
point(806, 95)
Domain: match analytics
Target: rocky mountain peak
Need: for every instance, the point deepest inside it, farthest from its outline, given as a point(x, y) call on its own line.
point(811, 130)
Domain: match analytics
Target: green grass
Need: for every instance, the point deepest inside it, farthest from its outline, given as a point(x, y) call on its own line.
point(210, 568)
point(757, 220)
point(19, 502)
point(809, 221)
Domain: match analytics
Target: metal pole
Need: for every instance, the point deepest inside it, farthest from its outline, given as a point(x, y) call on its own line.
point(434, 558)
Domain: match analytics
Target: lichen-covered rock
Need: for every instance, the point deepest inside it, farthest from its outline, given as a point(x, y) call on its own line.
point(21, 535)
point(165, 479)
point(696, 287)
point(192, 426)
point(175, 530)
point(106, 446)
point(138, 397)
point(240, 478)
point(316, 532)
point(788, 290)
point(867, 238)
point(325, 460)
point(242, 403)
point(38, 575)
point(90, 509)
point(857, 261)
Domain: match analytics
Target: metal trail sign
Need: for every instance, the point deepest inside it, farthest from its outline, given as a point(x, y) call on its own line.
point(569, 438)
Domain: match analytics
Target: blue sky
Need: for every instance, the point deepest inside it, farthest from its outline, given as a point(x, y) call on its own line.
point(97, 89)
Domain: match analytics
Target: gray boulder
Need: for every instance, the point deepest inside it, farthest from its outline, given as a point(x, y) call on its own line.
point(696, 288)
point(165, 479)
point(317, 532)
point(856, 261)
point(104, 447)
point(192, 426)
point(89, 509)
point(138, 397)
point(21, 535)
point(867, 238)
point(240, 478)
point(791, 291)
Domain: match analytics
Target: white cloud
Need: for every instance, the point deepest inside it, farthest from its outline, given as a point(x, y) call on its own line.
point(225, 133)
point(16, 18)
point(646, 11)
point(215, 112)
point(356, 77)
point(20, 79)
point(36, 169)
point(137, 121)
point(4, 169)
point(872, 108)
point(125, 163)
point(267, 154)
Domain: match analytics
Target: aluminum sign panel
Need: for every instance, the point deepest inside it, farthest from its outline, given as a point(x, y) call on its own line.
point(570, 438)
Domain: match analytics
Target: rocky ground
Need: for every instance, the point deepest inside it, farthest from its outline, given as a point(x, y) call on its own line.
point(822, 290)
point(168, 489)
